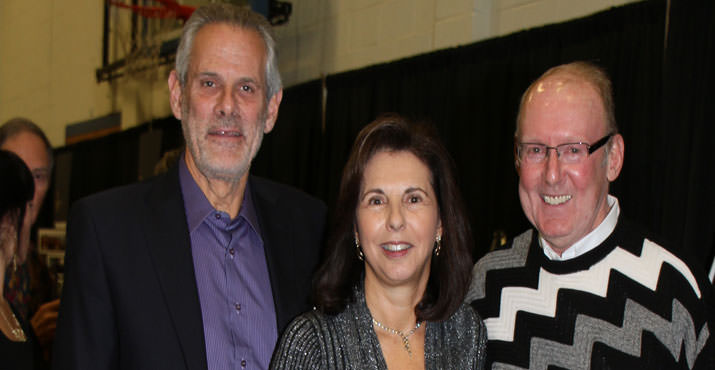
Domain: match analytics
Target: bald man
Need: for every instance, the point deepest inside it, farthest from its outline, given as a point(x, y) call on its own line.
point(585, 289)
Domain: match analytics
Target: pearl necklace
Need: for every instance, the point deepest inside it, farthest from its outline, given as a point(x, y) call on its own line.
point(403, 336)
point(15, 330)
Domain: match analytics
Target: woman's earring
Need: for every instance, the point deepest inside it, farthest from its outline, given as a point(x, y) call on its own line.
point(359, 250)
point(438, 248)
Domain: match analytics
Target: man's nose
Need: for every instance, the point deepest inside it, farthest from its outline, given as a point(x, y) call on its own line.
point(552, 170)
point(227, 104)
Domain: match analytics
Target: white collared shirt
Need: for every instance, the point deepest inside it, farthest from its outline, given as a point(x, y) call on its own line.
point(591, 240)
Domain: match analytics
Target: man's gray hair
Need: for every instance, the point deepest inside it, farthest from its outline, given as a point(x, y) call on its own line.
point(234, 16)
point(19, 125)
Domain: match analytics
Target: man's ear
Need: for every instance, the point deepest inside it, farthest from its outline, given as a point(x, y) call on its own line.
point(517, 163)
point(175, 94)
point(615, 157)
point(272, 115)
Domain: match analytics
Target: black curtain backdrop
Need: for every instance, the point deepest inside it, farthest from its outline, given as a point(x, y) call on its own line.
point(663, 100)
point(290, 154)
point(684, 136)
point(472, 93)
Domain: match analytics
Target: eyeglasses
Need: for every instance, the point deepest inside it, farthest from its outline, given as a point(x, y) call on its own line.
point(533, 153)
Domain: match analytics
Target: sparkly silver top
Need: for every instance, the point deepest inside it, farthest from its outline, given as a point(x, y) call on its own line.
point(347, 341)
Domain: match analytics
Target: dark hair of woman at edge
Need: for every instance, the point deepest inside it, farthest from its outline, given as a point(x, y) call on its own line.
point(16, 189)
point(18, 346)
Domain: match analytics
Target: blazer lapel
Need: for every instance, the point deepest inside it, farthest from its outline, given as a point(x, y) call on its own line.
point(169, 245)
point(278, 248)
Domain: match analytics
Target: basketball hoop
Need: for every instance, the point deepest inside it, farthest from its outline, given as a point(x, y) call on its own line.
point(165, 9)
point(140, 36)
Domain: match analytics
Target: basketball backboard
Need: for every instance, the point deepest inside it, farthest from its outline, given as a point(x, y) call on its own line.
point(141, 35)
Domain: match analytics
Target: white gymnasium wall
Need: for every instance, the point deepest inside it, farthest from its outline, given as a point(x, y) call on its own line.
point(49, 50)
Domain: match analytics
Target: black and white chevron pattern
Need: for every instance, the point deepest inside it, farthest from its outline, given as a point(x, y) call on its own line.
point(674, 334)
point(625, 280)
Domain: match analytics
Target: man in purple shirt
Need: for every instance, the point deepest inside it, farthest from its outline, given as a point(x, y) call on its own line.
point(203, 267)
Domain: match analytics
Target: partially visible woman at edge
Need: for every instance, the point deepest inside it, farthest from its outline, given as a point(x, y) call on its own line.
point(18, 348)
point(389, 292)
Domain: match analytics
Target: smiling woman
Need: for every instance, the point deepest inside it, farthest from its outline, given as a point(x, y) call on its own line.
point(389, 293)
point(397, 222)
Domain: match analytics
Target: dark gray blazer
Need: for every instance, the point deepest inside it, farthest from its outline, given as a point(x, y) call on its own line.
point(130, 299)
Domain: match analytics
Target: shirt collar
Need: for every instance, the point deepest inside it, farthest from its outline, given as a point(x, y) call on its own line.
point(591, 240)
point(198, 207)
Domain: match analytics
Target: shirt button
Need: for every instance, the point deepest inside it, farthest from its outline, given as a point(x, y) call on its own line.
point(243, 363)
point(218, 216)
point(231, 251)
point(238, 307)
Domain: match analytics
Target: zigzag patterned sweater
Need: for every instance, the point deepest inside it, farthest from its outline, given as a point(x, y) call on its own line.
point(627, 304)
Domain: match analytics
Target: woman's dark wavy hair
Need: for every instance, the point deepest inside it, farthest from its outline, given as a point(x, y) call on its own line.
point(341, 270)
point(16, 188)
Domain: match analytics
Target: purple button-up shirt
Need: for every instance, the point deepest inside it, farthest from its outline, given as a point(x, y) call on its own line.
point(232, 278)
